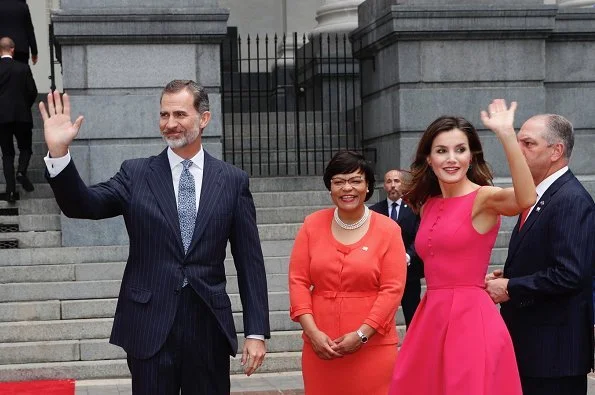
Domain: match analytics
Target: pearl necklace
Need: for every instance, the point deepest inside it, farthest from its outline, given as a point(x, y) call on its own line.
point(354, 225)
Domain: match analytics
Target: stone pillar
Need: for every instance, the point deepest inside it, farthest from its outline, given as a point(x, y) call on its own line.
point(117, 55)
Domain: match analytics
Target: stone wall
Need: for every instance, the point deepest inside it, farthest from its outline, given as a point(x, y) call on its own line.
point(421, 59)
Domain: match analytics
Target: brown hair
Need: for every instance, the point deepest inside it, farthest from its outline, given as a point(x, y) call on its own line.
point(423, 183)
point(200, 96)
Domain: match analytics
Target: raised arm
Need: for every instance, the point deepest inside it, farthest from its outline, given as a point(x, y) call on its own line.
point(58, 129)
point(508, 201)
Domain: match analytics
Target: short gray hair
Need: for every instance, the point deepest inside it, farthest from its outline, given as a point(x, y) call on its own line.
point(201, 99)
point(559, 130)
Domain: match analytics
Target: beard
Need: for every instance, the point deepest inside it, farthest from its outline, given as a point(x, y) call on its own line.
point(187, 137)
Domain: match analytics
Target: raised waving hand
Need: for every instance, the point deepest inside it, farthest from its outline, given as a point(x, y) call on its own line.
point(58, 129)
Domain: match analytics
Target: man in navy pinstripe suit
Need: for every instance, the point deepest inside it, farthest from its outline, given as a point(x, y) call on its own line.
point(546, 288)
point(173, 317)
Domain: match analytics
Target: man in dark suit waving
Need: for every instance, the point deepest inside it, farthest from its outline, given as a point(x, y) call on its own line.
point(546, 288)
point(17, 95)
point(394, 207)
point(181, 207)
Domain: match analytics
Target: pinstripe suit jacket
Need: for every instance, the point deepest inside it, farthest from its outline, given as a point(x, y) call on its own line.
point(549, 264)
point(142, 191)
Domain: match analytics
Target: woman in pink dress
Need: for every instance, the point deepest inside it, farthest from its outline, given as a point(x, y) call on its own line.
point(457, 343)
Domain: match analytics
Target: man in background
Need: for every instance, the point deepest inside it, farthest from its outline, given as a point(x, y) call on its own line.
point(15, 22)
point(394, 207)
point(17, 95)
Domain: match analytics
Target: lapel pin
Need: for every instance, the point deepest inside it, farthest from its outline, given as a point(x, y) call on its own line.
point(537, 209)
point(365, 248)
point(541, 203)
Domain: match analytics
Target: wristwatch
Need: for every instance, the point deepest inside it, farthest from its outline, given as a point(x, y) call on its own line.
point(362, 337)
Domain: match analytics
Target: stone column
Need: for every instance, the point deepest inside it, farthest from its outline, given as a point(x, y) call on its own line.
point(117, 55)
point(337, 16)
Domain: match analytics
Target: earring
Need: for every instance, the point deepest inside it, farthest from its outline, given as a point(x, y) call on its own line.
point(367, 190)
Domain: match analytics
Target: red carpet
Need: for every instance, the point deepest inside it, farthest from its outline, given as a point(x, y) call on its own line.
point(61, 387)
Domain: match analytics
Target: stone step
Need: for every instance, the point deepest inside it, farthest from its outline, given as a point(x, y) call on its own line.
point(320, 197)
point(35, 174)
point(35, 239)
point(105, 308)
point(34, 205)
point(37, 222)
point(63, 290)
point(285, 184)
point(101, 349)
point(100, 328)
point(280, 215)
point(98, 308)
point(102, 271)
point(85, 370)
point(30, 311)
point(63, 255)
point(41, 191)
point(116, 253)
point(100, 254)
point(98, 289)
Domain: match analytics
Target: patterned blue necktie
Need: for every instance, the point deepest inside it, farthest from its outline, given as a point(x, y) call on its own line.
point(187, 204)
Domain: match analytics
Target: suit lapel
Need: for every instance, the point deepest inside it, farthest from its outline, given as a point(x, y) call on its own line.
point(517, 235)
point(212, 185)
point(161, 184)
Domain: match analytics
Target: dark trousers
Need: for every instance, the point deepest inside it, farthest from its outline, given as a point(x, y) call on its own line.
point(194, 357)
point(570, 385)
point(23, 134)
point(411, 299)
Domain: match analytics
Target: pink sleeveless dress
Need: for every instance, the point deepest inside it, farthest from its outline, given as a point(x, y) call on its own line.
point(457, 343)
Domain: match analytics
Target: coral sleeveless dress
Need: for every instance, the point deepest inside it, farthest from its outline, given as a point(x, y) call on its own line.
point(457, 343)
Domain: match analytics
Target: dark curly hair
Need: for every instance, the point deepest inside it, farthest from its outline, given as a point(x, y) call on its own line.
point(423, 183)
point(344, 162)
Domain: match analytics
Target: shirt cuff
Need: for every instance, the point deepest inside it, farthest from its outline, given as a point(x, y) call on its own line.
point(56, 165)
point(408, 259)
point(257, 337)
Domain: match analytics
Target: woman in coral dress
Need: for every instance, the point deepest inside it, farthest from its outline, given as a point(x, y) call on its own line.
point(457, 343)
point(346, 278)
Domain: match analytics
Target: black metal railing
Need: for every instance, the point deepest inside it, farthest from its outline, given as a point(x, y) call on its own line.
point(289, 103)
point(55, 57)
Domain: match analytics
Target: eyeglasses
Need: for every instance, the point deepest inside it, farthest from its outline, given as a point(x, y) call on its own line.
point(355, 182)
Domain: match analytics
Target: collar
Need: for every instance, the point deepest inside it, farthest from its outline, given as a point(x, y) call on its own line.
point(175, 159)
point(545, 184)
point(399, 202)
point(5, 56)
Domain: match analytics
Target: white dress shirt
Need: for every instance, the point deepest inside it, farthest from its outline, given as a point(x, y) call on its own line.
point(398, 208)
point(545, 184)
point(390, 205)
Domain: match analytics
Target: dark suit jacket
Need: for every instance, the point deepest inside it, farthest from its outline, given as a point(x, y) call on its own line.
point(142, 191)
point(15, 22)
point(549, 264)
point(409, 222)
point(17, 91)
